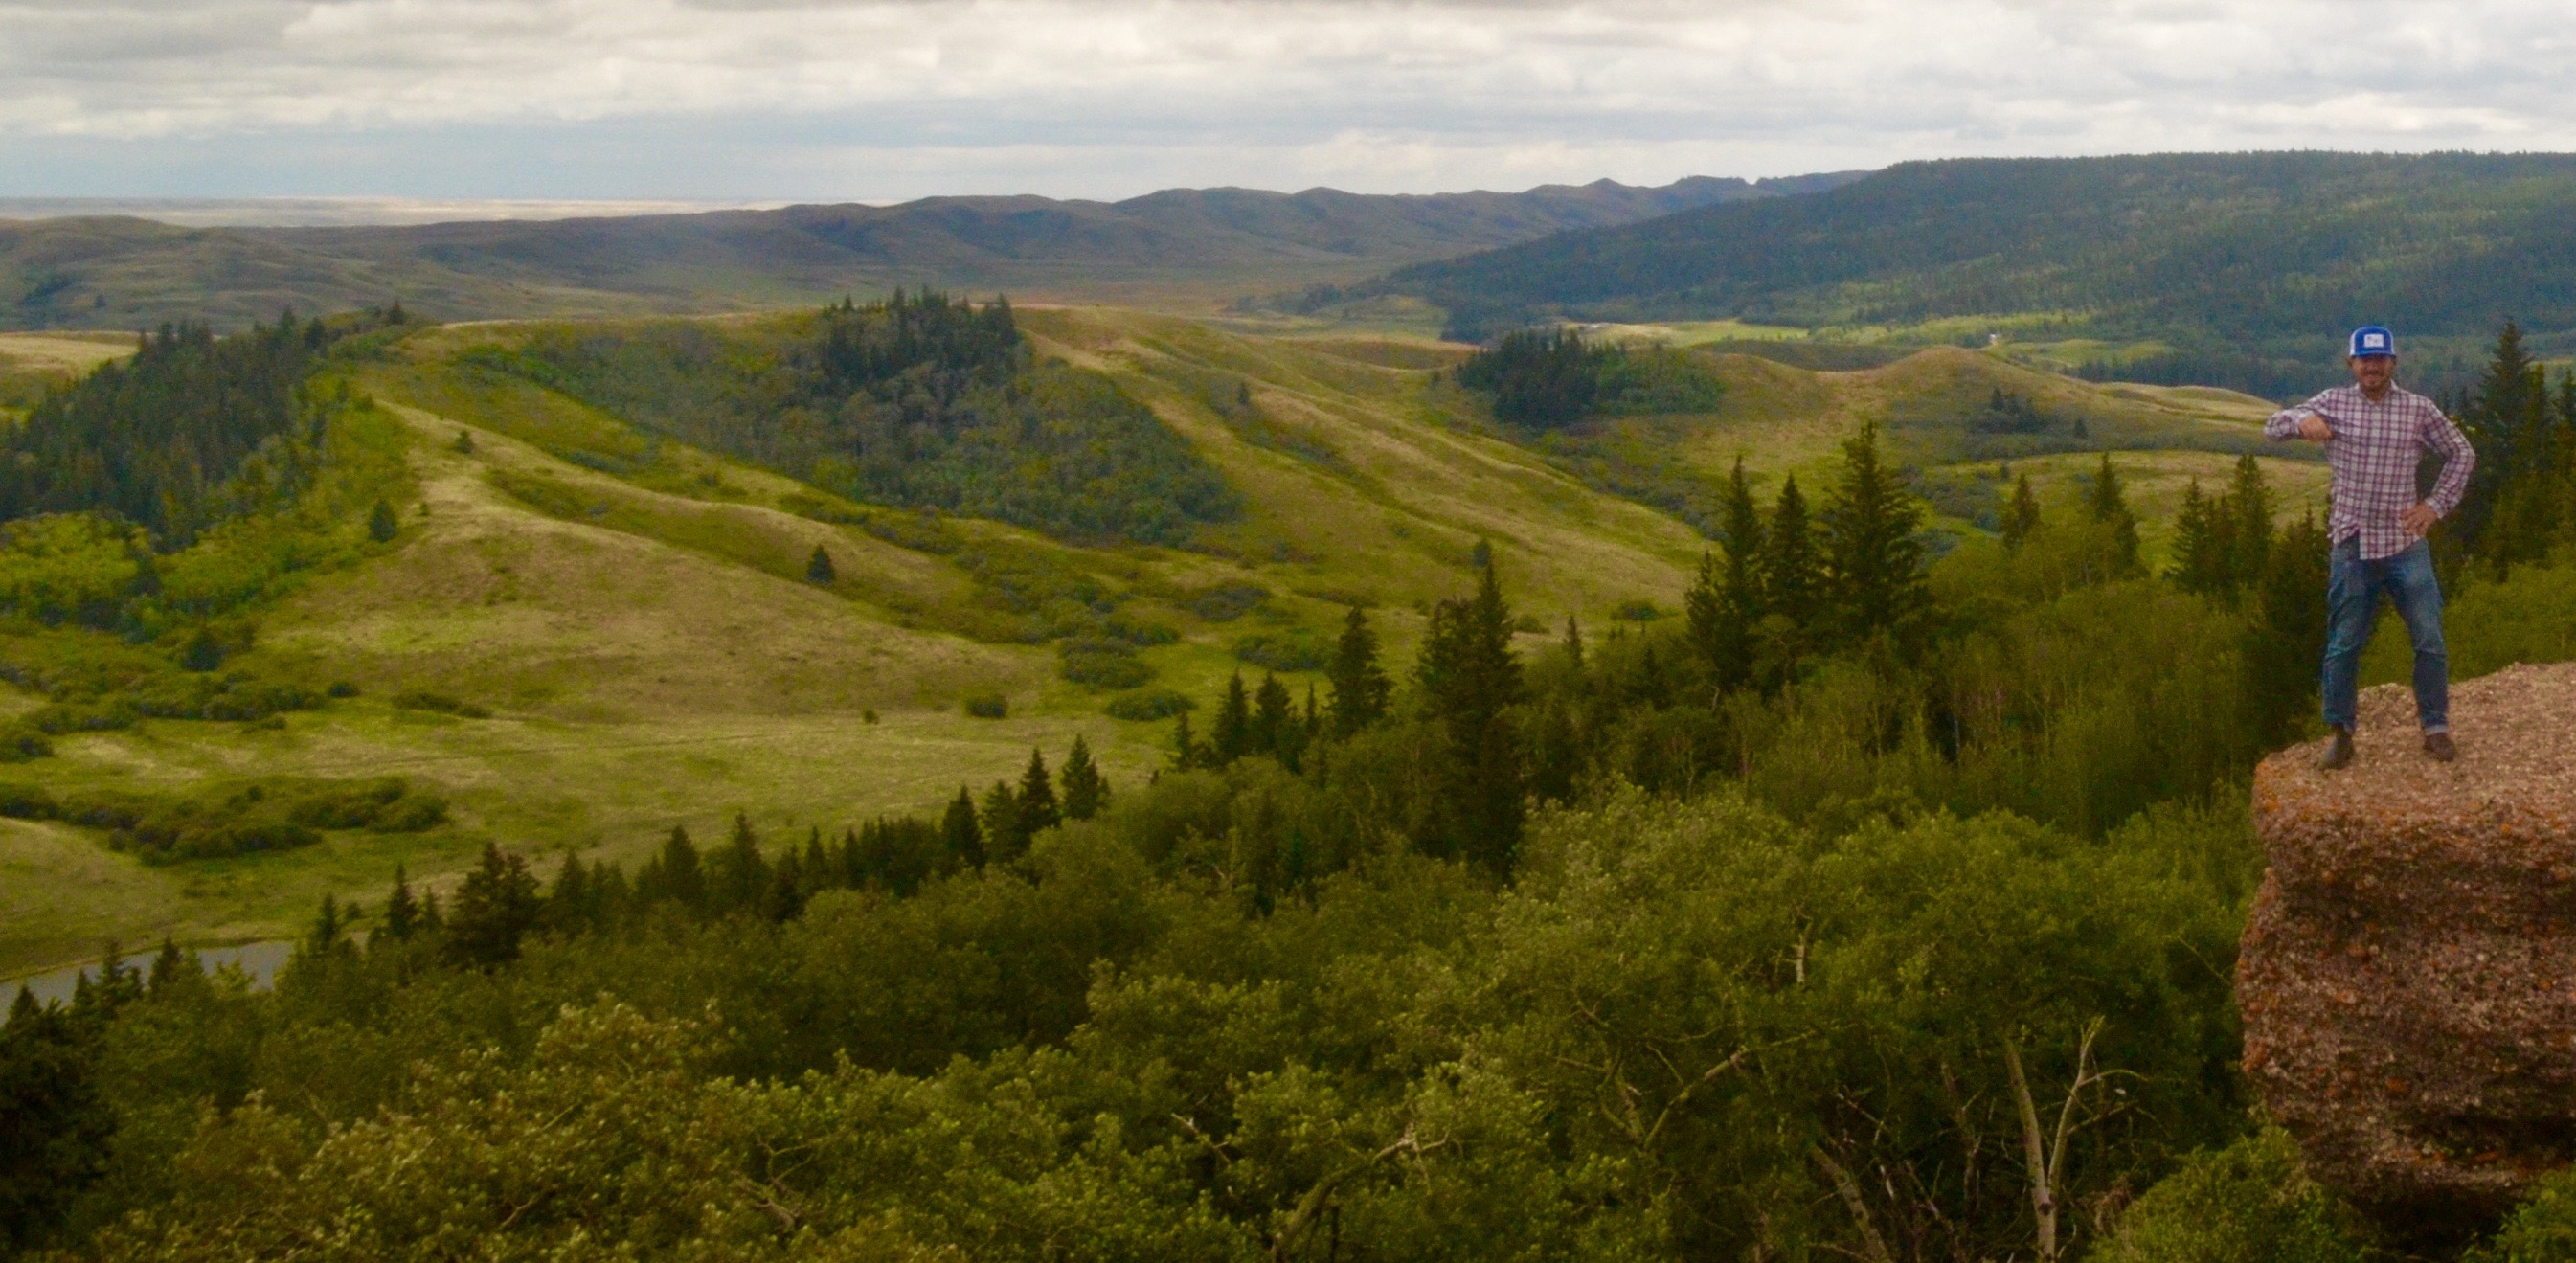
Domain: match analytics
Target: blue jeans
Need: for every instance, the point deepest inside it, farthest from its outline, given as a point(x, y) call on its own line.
point(2352, 605)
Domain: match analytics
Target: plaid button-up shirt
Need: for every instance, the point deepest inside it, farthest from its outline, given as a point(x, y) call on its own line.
point(2374, 453)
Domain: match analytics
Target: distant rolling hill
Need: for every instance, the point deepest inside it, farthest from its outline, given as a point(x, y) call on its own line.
point(2247, 264)
point(1196, 245)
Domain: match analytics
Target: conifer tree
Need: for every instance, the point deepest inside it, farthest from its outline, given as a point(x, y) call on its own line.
point(1187, 752)
point(1085, 792)
point(1792, 578)
point(2247, 537)
point(1359, 687)
point(1038, 811)
point(2200, 560)
point(677, 874)
point(741, 876)
point(1004, 837)
point(1232, 737)
point(817, 870)
point(2109, 506)
point(381, 523)
point(2021, 514)
point(785, 896)
point(1874, 563)
point(496, 905)
point(2287, 634)
point(1274, 721)
point(960, 833)
point(1725, 605)
point(818, 568)
point(568, 904)
point(325, 933)
point(1469, 677)
point(402, 912)
point(1574, 642)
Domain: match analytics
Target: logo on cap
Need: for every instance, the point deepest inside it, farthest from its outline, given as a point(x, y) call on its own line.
point(2373, 340)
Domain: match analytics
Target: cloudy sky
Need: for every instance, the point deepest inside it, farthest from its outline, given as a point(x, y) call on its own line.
point(765, 100)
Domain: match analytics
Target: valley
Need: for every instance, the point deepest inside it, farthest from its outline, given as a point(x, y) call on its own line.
point(635, 615)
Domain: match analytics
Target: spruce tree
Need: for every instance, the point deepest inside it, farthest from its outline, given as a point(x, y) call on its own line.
point(1232, 737)
point(1187, 752)
point(381, 523)
point(1274, 723)
point(2109, 506)
point(402, 912)
point(2247, 512)
point(1004, 838)
point(2021, 514)
point(1574, 643)
point(1725, 605)
point(741, 876)
point(1085, 793)
point(496, 906)
point(1469, 678)
point(1359, 687)
point(1038, 811)
point(1874, 563)
point(678, 875)
point(1792, 575)
point(960, 833)
point(818, 568)
point(325, 933)
point(2200, 560)
point(568, 905)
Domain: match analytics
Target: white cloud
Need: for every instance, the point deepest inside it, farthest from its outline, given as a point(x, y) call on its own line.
point(825, 98)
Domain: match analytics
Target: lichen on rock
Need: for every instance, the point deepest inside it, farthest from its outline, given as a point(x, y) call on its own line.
point(2408, 978)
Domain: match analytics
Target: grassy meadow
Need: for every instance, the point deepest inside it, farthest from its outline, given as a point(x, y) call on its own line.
point(634, 615)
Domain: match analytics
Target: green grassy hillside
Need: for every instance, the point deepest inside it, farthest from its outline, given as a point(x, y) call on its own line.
point(1195, 247)
point(634, 619)
point(2249, 265)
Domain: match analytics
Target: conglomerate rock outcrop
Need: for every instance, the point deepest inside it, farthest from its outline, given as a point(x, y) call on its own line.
point(2408, 978)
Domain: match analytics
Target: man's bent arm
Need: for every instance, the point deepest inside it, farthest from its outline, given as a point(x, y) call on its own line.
point(2442, 435)
point(2284, 424)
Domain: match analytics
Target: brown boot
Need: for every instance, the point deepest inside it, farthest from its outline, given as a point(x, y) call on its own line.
point(2338, 755)
point(2438, 746)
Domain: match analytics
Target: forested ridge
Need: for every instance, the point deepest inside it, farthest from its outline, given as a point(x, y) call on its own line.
point(918, 401)
point(1878, 906)
point(2247, 264)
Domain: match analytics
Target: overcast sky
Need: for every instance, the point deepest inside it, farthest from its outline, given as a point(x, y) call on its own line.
point(767, 100)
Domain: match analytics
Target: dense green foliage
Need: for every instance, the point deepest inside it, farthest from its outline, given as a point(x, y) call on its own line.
point(234, 818)
point(2247, 1203)
point(918, 401)
point(1757, 933)
point(2250, 266)
point(1550, 379)
point(193, 430)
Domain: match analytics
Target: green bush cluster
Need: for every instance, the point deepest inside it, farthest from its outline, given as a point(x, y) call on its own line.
point(232, 818)
point(1290, 649)
point(1102, 663)
point(1149, 704)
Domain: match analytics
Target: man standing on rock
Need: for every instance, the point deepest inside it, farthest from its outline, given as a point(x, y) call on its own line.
point(2376, 435)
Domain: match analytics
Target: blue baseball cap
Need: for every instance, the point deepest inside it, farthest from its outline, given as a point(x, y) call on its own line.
point(2370, 340)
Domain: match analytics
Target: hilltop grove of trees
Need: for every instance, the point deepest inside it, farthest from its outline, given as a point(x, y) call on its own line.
point(919, 401)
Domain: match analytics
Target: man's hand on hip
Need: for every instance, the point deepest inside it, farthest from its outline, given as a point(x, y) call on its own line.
point(2419, 520)
point(2314, 428)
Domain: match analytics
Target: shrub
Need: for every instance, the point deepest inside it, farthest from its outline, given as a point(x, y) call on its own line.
point(28, 802)
point(1148, 704)
point(243, 818)
point(21, 741)
point(1102, 663)
point(1227, 601)
point(1637, 611)
point(1296, 649)
point(2247, 1203)
point(423, 699)
point(987, 705)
